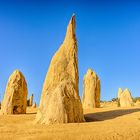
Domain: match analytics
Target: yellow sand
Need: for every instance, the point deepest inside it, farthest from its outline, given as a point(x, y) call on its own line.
point(108, 123)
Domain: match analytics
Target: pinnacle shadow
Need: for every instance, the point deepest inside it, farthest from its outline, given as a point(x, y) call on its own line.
point(108, 115)
point(31, 113)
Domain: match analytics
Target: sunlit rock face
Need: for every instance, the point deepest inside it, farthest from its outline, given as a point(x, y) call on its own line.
point(124, 98)
point(120, 91)
point(91, 90)
point(60, 101)
point(15, 97)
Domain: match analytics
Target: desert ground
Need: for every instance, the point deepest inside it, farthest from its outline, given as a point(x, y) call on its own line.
point(106, 123)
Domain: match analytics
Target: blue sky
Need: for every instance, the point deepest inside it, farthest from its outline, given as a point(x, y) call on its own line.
point(108, 35)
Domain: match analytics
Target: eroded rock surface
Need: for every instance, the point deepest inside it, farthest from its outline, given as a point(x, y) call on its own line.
point(124, 98)
point(91, 90)
point(60, 101)
point(15, 97)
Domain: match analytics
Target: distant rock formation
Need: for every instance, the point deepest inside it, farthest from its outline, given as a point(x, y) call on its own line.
point(91, 90)
point(120, 91)
point(60, 101)
point(15, 97)
point(137, 103)
point(124, 98)
point(30, 100)
point(34, 105)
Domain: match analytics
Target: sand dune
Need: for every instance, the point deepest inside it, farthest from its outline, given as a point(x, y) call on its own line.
point(110, 123)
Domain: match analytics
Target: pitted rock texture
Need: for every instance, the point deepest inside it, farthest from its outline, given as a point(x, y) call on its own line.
point(91, 90)
point(124, 98)
point(15, 97)
point(60, 101)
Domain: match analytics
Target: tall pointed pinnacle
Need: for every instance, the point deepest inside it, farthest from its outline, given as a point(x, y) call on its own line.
point(70, 33)
point(60, 93)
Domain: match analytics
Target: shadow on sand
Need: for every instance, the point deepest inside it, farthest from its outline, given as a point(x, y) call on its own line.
point(107, 115)
point(31, 113)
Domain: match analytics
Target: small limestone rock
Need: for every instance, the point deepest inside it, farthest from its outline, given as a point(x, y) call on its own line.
point(91, 90)
point(120, 91)
point(34, 105)
point(60, 101)
point(15, 97)
point(30, 100)
point(124, 98)
point(137, 103)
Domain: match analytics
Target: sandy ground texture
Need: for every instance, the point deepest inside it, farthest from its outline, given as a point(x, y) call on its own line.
point(106, 123)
